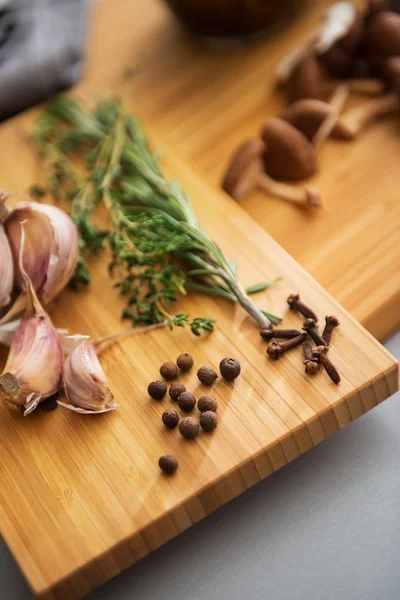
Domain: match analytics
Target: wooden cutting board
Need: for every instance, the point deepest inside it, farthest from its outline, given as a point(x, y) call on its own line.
point(82, 498)
point(206, 100)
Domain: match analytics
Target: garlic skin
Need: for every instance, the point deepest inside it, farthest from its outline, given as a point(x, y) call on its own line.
point(6, 270)
point(68, 342)
point(84, 383)
point(50, 253)
point(34, 364)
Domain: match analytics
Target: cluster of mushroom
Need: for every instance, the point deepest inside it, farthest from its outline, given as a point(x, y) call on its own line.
point(353, 51)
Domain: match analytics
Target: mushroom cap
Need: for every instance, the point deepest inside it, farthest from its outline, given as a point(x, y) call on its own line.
point(390, 69)
point(338, 62)
point(305, 79)
point(343, 26)
point(288, 154)
point(383, 35)
point(243, 168)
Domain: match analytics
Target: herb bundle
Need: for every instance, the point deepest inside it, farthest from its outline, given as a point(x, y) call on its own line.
point(158, 249)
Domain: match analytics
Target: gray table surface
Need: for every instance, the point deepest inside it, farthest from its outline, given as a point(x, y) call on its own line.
point(326, 527)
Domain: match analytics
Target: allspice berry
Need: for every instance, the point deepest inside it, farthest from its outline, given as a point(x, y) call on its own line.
point(176, 390)
point(157, 389)
point(170, 418)
point(206, 403)
point(169, 371)
point(208, 420)
point(185, 362)
point(187, 401)
point(229, 368)
point(189, 428)
point(168, 464)
point(207, 375)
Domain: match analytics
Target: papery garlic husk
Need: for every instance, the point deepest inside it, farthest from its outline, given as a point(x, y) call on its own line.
point(6, 270)
point(68, 342)
point(84, 383)
point(50, 253)
point(34, 364)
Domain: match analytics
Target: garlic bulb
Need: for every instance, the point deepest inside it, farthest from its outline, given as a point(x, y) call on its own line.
point(68, 342)
point(33, 369)
point(50, 254)
point(6, 270)
point(84, 383)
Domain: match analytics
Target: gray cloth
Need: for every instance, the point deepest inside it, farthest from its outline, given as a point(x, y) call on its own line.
point(41, 50)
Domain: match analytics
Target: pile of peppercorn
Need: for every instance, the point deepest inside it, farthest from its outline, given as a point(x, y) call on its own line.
point(314, 357)
point(189, 427)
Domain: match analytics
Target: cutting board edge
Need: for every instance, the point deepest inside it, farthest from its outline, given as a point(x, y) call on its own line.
point(224, 489)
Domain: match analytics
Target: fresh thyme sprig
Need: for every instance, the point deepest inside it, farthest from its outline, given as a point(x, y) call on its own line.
point(158, 250)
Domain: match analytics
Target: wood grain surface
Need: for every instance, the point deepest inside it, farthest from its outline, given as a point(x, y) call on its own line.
point(83, 498)
point(207, 99)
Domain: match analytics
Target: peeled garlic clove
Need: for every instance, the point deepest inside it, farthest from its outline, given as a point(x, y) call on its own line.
point(84, 383)
point(6, 270)
point(51, 250)
point(34, 364)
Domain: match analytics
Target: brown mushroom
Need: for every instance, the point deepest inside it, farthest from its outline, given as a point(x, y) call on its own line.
point(376, 6)
point(305, 79)
point(359, 117)
point(383, 35)
point(288, 154)
point(390, 69)
point(365, 86)
point(340, 37)
point(245, 172)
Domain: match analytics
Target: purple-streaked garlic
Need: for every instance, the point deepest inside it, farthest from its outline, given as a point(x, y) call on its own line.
point(6, 270)
point(50, 253)
point(246, 172)
point(84, 385)
point(68, 342)
point(33, 368)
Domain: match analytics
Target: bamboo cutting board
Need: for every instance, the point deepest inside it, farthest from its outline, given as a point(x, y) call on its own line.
point(206, 100)
point(82, 498)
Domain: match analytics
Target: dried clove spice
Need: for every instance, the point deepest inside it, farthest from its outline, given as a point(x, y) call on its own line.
point(207, 403)
point(170, 418)
point(296, 304)
point(168, 464)
point(310, 362)
point(311, 327)
point(229, 368)
point(187, 401)
point(169, 371)
point(207, 375)
point(320, 353)
point(331, 323)
point(276, 349)
point(175, 390)
point(268, 332)
point(157, 389)
point(208, 421)
point(185, 362)
point(189, 428)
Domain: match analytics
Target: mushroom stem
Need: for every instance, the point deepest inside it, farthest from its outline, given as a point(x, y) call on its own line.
point(293, 58)
point(366, 86)
point(307, 196)
point(337, 101)
point(357, 118)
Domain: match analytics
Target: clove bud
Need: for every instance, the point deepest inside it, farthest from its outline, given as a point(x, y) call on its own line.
point(33, 368)
point(296, 303)
point(320, 354)
point(276, 349)
point(268, 332)
point(311, 327)
point(331, 323)
point(310, 362)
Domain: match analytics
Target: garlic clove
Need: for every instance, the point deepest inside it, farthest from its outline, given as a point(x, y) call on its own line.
point(34, 364)
point(51, 250)
point(68, 342)
point(84, 383)
point(6, 270)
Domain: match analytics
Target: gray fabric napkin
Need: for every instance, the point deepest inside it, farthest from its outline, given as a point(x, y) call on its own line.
point(41, 49)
